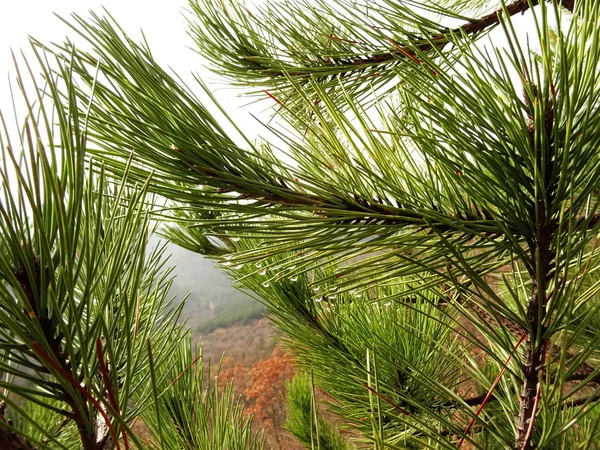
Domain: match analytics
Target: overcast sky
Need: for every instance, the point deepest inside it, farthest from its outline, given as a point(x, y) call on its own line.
point(163, 24)
point(162, 21)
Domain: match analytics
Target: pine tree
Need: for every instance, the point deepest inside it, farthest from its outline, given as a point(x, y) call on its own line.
point(89, 340)
point(422, 219)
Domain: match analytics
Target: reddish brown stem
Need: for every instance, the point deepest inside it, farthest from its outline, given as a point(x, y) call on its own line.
point(42, 354)
point(491, 391)
point(532, 418)
point(387, 400)
point(109, 391)
point(473, 27)
point(185, 370)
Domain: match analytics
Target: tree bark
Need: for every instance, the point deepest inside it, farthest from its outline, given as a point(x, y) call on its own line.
point(12, 441)
point(9, 439)
point(536, 343)
point(54, 338)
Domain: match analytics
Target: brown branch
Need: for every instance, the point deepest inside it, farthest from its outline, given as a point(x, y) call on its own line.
point(583, 400)
point(535, 357)
point(474, 27)
point(583, 372)
point(59, 360)
point(8, 438)
point(400, 52)
point(111, 396)
point(88, 439)
point(479, 399)
point(375, 212)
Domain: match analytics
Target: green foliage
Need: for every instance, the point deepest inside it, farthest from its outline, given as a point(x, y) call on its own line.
point(426, 237)
point(82, 302)
point(45, 421)
point(191, 413)
point(230, 311)
point(305, 422)
point(341, 336)
point(77, 290)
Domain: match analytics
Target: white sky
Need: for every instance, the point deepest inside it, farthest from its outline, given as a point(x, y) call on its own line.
point(162, 21)
point(164, 27)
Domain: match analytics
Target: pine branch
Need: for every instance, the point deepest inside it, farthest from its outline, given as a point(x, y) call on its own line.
point(536, 348)
point(88, 435)
point(522, 167)
point(479, 399)
point(399, 52)
point(54, 338)
point(109, 390)
point(374, 212)
point(472, 27)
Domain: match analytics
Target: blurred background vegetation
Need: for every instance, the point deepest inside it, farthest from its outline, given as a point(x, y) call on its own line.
point(212, 302)
point(236, 334)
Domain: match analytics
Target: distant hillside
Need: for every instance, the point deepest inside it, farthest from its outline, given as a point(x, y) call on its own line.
point(213, 302)
point(232, 331)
